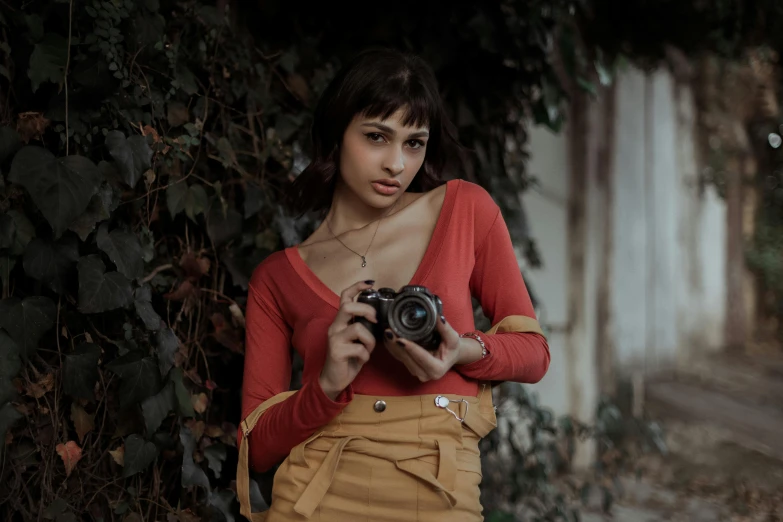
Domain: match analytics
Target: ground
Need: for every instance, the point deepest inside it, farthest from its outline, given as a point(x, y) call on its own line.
point(723, 419)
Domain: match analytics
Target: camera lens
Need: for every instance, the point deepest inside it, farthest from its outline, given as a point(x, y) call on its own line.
point(413, 315)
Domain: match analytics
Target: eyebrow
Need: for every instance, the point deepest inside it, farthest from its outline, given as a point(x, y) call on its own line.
point(390, 131)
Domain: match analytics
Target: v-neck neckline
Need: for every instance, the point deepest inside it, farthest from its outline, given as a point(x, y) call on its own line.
point(419, 276)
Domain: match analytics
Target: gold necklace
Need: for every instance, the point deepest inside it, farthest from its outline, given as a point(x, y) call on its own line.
point(364, 257)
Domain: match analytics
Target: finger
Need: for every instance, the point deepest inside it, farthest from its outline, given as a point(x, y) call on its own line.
point(357, 333)
point(350, 293)
point(423, 359)
point(354, 309)
point(397, 348)
point(448, 334)
point(347, 298)
point(358, 351)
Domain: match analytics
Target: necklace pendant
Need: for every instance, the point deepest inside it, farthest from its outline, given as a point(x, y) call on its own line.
point(364, 262)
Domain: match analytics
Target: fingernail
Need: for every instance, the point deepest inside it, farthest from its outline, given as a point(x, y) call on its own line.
point(370, 282)
point(400, 343)
point(389, 335)
point(443, 319)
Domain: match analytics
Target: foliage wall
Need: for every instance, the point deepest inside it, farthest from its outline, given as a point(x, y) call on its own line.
point(143, 148)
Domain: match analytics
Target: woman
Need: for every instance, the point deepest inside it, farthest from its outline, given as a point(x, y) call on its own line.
point(382, 429)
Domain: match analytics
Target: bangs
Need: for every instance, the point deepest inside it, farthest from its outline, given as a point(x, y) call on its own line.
point(376, 83)
point(382, 100)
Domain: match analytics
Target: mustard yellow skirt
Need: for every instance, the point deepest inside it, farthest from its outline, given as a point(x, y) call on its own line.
point(383, 459)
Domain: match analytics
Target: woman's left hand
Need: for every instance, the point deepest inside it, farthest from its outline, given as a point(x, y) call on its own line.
point(424, 364)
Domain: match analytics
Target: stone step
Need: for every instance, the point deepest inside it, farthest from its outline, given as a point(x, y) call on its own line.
point(748, 422)
point(753, 380)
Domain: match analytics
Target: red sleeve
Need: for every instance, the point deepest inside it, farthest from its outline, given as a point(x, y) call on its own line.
point(497, 283)
point(267, 372)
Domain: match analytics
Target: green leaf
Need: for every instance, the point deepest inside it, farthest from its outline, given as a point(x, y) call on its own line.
point(223, 226)
point(101, 205)
point(196, 201)
point(140, 377)
point(7, 231)
point(27, 320)
point(9, 143)
point(192, 474)
point(60, 187)
point(177, 113)
point(80, 371)
point(142, 301)
point(223, 500)
point(51, 262)
point(184, 405)
point(132, 155)
point(157, 408)
point(54, 509)
point(193, 200)
point(6, 265)
point(100, 291)
point(8, 416)
point(139, 454)
point(253, 199)
point(10, 364)
point(16, 231)
point(47, 62)
point(175, 197)
point(168, 344)
point(124, 250)
point(186, 79)
point(152, 5)
point(216, 455)
point(147, 240)
point(35, 24)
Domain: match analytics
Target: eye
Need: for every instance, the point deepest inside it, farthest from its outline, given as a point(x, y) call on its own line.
point(416, 144)
point(375, 137)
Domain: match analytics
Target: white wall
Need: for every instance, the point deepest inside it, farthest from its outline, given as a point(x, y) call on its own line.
point(666, 268)
point(547, 211)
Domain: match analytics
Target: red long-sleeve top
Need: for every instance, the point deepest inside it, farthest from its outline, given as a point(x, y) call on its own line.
point(470, 254)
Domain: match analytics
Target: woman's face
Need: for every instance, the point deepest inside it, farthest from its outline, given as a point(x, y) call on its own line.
point(380, 158)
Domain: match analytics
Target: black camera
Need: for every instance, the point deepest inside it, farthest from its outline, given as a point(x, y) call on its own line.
point(412, 313)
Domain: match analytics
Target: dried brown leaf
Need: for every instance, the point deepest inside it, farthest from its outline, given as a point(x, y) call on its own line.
point(71, 453)
point(31, 125)
point(200, 402)
point(82, 421)
point(118, 455)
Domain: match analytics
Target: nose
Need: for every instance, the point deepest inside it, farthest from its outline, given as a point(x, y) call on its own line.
point(394, 162)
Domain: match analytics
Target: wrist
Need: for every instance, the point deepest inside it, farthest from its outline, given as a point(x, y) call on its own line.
point(330, 391)
point(470, 350)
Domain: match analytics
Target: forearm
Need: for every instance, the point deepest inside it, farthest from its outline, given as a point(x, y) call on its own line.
point(511, 356)
point(287, 424)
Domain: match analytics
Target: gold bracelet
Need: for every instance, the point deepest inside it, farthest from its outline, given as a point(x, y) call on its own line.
point(474, 335)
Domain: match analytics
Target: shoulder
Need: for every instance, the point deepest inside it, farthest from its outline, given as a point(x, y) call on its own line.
point(474, 195)
point(270, 272)
point(474, 205)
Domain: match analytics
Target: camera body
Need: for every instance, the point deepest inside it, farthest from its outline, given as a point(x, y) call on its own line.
point(412, 313)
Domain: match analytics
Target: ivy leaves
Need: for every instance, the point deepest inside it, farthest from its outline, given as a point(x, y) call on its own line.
point(133, 155)
point(100, 291)
point(61, 188)
point(47, 63)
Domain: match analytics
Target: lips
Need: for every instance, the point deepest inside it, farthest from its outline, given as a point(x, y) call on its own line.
point(389, 182)
point(386, 187)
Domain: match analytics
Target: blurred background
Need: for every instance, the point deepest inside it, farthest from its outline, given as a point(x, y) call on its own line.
point(633, 146)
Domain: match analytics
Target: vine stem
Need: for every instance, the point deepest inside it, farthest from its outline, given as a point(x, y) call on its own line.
point(65, 75)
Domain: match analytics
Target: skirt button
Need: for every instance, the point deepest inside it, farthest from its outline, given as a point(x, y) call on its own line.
point(379, 406)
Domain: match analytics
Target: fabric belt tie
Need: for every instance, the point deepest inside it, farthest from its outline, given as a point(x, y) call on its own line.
point(404, 459)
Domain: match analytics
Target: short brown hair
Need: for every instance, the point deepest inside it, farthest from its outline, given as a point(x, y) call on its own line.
point(375, 83)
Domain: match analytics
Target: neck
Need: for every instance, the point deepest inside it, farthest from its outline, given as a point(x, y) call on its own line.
point(348, 212)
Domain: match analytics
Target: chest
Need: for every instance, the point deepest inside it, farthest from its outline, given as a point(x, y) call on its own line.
point(393, 256)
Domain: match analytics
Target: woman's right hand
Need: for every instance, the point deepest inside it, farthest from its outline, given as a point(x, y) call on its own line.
point(350, 345)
